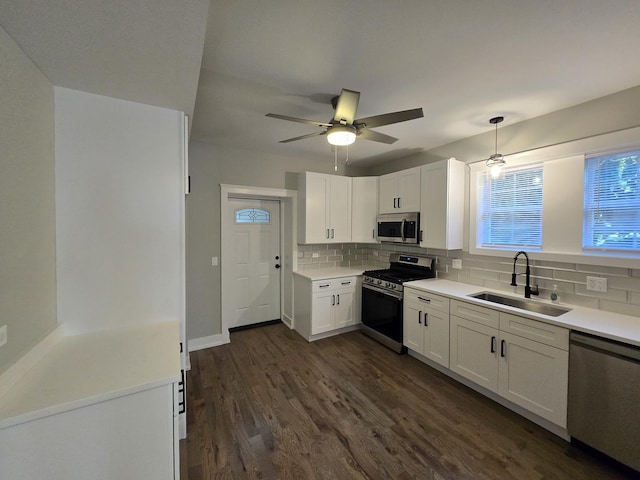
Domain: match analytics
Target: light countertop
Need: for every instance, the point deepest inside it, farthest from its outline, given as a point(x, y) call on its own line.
point(624, 328)
point(333, 272)
point(86, 369)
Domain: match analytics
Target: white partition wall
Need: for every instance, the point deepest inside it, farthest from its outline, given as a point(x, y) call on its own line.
point(119, 212)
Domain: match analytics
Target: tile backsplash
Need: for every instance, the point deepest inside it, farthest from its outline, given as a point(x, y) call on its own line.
point(623, 284)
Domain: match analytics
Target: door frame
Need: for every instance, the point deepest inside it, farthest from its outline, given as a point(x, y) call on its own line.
point(288, 248)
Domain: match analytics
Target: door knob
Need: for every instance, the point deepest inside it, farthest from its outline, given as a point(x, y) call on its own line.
point(277, 265)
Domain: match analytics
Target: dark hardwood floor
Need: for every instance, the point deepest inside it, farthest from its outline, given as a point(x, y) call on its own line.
point(270, 405)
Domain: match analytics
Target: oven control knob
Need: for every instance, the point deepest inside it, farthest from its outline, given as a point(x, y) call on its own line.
point(386, 284)
point(393, 286)
point(379, 282)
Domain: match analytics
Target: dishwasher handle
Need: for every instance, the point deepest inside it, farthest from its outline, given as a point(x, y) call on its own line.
point(613, 347)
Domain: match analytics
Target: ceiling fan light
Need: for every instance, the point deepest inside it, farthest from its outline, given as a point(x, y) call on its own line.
point(341, 135)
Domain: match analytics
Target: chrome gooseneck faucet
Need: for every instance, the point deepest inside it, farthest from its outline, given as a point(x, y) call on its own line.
point(527, 288)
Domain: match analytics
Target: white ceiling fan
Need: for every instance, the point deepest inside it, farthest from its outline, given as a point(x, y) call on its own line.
point(344, 127)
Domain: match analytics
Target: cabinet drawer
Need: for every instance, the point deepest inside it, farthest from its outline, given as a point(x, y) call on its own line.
point(533, 330)
point(483, 315)
point(427, 300)
point(333, 284)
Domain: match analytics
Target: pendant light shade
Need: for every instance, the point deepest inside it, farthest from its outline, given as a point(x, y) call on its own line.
point(496, 161)
point(341, 135)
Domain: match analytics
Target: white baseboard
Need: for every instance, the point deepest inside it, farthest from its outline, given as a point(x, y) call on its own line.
point(288, 321)
point(208, 342)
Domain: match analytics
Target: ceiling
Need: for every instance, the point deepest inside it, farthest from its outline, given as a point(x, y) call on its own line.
point(462, 61)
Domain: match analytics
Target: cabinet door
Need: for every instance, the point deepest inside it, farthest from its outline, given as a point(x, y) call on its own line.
point(413, 327)
point(534, 376)
point(474, 352)
point(322, 312)
point(388, 193)
point(314, 208)
point(344, 308)
point(408, 190)
point(339, 208)
point(442, 205)
point(436, 340)
point(364, 209)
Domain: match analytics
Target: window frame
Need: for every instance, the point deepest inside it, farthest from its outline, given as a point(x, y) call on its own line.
point(591, 206)
point(485, 180)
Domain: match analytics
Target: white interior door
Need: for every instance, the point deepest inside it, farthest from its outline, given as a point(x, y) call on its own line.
point(254, 239)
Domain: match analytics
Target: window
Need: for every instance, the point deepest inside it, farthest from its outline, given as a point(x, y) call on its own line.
point(612, 202)
point(252, 215)
point(510, 209)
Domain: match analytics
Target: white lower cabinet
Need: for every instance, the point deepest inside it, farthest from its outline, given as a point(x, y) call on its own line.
point(473, 352)
point(520, 359)
point(426, 325)
point(324, 306)
point(127, 437)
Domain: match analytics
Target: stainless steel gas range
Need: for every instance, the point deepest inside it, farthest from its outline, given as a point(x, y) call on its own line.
point(382, 297)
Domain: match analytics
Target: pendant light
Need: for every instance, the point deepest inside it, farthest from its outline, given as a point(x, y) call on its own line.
point(496, 161)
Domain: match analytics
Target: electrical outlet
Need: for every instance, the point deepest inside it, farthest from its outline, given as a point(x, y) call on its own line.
point(456, 263)
point(3, 335)
point(375, 253)
point(315, 255)
point(597, 284)
point(214, 261)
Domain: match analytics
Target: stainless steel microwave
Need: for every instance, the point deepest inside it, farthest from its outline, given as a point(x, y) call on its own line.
point(399, 227)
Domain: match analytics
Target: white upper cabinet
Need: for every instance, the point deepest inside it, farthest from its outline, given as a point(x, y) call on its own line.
point(442, 204)
point(400, 191)
point(324, 208)
point(364, 209)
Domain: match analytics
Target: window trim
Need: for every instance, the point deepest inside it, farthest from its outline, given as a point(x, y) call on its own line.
point(567, 158)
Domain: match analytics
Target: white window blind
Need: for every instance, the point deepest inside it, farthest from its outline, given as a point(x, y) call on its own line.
point(612, 202)
point(510, 213)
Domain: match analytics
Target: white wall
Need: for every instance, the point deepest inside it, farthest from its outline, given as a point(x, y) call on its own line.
point(210, 166)
point(27, 214)
point(119, 212)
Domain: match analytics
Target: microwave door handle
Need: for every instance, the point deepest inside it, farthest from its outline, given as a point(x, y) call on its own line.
point(402, 230)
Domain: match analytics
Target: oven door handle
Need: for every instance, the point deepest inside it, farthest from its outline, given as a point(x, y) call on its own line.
point(396, 295)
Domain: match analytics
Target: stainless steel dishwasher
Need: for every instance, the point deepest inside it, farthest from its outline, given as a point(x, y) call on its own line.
point(604, 396)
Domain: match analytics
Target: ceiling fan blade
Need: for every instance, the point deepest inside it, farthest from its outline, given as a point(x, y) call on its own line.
point(299, 120)
point(308, 135)
point(376, 136)
point(389, 118)
point(346, 106)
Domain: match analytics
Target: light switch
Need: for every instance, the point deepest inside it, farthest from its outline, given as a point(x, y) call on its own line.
point(214, 261)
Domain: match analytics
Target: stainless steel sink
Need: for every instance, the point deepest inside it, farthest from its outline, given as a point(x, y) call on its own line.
point(521, 303)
